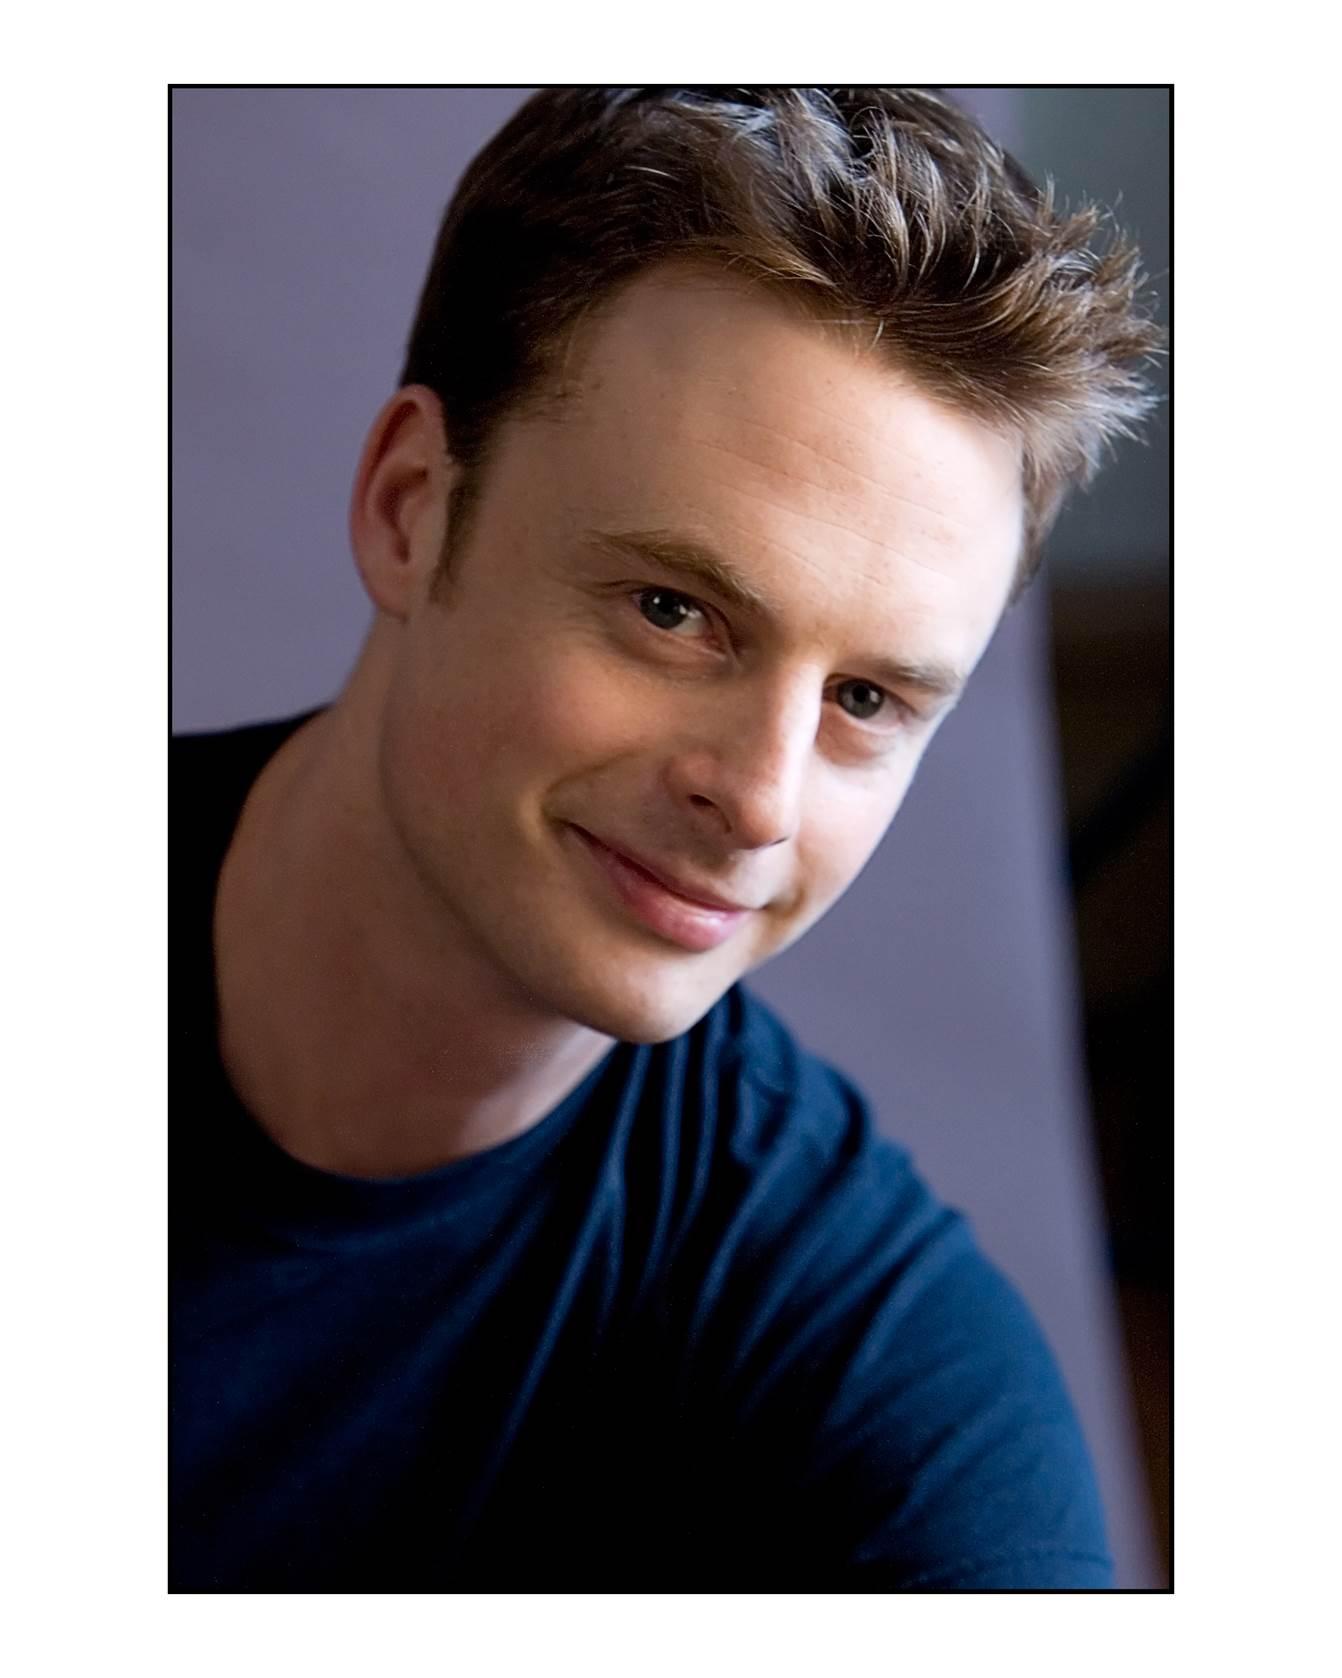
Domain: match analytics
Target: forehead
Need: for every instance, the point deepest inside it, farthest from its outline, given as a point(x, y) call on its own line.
point(692, 403)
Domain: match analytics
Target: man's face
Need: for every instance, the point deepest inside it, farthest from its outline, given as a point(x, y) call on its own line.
point(589, 697)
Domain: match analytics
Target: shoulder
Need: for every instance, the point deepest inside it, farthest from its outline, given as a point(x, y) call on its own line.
point(894, 1408)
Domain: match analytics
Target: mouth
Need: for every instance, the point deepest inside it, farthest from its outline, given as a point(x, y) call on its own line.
point(691, 922)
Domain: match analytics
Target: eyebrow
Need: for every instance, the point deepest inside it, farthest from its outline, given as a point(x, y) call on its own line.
point(691, 560)
point(700, 565)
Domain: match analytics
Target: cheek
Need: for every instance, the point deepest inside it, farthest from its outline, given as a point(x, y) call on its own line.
point(572, 713)
point(844, 826)
point(541, 712)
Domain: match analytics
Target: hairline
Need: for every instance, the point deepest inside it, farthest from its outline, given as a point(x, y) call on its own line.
point(555, 387)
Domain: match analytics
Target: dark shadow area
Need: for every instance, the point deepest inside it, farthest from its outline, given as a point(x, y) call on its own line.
point(1112, 683)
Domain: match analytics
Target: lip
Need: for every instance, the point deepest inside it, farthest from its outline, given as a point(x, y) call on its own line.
point(691, 922)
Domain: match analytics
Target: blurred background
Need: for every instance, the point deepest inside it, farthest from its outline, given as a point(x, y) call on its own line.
point(1110, 660)
point(999, 978)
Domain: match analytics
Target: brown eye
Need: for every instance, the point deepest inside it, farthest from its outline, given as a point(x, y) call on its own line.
point(664, 608)
point(861, 700)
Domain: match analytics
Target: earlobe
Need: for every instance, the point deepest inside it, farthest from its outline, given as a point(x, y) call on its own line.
point(398, 504)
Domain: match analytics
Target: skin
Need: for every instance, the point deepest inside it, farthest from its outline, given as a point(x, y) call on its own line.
point(417, 955)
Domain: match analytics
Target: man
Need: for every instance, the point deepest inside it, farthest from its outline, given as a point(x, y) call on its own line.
point(515, 1245)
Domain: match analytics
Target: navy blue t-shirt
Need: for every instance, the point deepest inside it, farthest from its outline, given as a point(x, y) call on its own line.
point(700, 1328)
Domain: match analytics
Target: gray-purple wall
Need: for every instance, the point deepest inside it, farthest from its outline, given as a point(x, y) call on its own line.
point(943, 983)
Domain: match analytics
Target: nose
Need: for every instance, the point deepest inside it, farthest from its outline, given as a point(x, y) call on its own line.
point(743, 773)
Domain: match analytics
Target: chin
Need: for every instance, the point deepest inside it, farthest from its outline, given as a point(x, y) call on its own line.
point(643, 1009)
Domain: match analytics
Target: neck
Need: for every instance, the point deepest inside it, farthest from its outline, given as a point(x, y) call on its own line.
point(358, 1023)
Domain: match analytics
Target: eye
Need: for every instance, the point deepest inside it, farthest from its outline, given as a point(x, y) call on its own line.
point(861, 700)
point(666, 609)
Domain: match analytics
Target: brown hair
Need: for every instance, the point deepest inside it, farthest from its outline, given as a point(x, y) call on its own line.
point(886, 210)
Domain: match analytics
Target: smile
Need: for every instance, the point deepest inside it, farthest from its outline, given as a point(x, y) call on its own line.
point(692, 924)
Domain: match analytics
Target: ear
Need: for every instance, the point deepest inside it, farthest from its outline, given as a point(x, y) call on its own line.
point(398, 509)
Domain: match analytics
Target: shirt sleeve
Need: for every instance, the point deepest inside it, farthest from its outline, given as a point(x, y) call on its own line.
point(887, 1412)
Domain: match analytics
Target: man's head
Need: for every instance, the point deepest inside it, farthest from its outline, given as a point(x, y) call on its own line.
point(720, 562)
